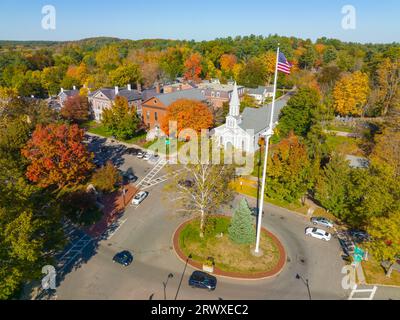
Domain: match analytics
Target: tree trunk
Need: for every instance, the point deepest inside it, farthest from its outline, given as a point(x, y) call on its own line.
point(202, 224)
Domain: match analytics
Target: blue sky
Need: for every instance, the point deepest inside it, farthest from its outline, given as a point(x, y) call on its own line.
point(377, 20)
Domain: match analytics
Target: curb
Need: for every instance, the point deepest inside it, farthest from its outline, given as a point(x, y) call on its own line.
point(233, 275)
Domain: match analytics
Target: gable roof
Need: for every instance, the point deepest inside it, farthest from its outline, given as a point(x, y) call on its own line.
point(169, 98)
point(260, 90)
point(258, 119)
point(69, 93)
point(130, 95)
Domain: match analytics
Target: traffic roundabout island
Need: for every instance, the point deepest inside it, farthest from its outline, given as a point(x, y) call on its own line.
point(216, 253)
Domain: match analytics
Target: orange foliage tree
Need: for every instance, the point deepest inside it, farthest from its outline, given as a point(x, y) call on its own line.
point(193, 67)
point(189, 114)
point(351, 94)
point(57, 156)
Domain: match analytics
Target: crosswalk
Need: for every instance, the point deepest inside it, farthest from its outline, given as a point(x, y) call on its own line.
point(363, 294)
point(149, 180)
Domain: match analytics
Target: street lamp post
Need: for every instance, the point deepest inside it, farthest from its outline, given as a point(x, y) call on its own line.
point(170, 276)
point(305, 281)
point(183, 274)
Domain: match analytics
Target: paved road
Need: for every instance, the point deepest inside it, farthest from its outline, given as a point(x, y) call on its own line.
point(147, 231)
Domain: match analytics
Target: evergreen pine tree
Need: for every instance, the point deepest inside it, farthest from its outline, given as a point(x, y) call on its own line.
point(242, 230)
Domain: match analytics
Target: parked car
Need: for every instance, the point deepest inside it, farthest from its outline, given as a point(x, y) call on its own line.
point(125, 258)
point(347, 246)
point(132, 151)
point(141, 155)
point(359, 235)
point(318, 234)
point(203, 280)
point(321, 221)
point(129, 178)
point(147, 157)
point(254, 212)
point(139, 198)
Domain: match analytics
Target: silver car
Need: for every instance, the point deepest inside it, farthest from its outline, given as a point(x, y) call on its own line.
point(321, 221)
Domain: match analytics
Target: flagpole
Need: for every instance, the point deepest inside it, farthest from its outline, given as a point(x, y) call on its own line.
point(268, 136)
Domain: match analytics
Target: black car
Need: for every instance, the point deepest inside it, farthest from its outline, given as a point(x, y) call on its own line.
point(129, 178)
point(203, 280)
point(359, 236)
point(125, 258)
point(186, 183)
point(132, 151)
point(254, 212)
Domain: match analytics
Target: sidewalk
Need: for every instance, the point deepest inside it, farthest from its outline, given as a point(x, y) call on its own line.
point(114, 207)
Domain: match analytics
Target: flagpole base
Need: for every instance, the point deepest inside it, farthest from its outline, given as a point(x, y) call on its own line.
point(258, 254)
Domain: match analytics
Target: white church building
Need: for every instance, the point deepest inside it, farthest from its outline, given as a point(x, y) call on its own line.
point(243, 131)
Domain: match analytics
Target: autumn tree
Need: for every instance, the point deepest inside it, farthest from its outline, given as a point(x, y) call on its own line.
point(125, 74)
point(387, 149)
point(385, 234)
point(106, 178)
point(121, 120)
point(172, 63)
point(351, 94)
point(228, 62)
point(76, 109)
point(288, 176)
point(57, 156)
point(189, 114)
point(108, 58)
point(193, 67)
point(388, 78)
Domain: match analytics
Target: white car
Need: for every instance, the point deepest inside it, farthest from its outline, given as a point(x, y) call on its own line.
point(139, 198)
point(140, 155)
point(147, 157)
point(318, 233)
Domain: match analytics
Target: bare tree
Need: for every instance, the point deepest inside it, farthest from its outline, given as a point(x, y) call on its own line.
point(201, 189)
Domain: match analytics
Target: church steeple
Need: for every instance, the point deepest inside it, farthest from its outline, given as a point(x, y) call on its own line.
point(234, 105)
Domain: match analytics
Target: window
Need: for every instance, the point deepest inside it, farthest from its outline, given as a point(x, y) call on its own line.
point(218, 94)
point(156, 116)
point(213, 94)
point(148, 115)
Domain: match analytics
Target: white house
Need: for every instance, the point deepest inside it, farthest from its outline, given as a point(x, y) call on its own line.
point(261, 93)
point(244, 131)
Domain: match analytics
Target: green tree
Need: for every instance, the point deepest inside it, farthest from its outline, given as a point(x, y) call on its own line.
point(241, 230)
point(300, 113)
point(332, 186)
point(121, 120)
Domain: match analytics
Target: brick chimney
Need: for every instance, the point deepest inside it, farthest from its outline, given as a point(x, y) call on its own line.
point(116, 90)
point(158, 88)
point(129, 87)
point(74, 87)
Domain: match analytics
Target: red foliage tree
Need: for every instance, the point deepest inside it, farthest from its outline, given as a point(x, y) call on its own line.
point(76, 109)
point(57, 156)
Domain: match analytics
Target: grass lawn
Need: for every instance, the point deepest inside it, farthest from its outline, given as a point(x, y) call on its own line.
point(375, 274)
point(228, 256)
point(249, 188)
point(344, 145)
point(341, 128)
point(96, 128)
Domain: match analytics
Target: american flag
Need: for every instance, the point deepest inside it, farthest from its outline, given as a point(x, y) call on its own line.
point(284, 65)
